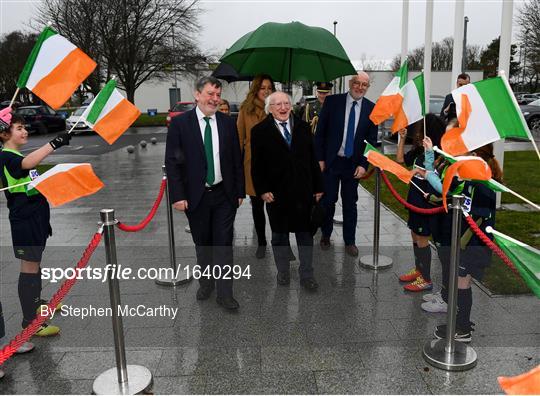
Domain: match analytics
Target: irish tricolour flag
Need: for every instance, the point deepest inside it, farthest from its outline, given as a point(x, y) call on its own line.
point(487, 112)
point(390, 100)
point(64, 183)
point(110, 114)
point(55, 68)
point(402, 99)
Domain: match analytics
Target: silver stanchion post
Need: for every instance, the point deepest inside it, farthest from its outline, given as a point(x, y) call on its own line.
point(448, 354)
point(376, 261)
point(177, 276)
point(123, 379)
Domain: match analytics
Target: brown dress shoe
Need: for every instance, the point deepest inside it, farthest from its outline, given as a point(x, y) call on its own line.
point(351, 250)
point(325, 243)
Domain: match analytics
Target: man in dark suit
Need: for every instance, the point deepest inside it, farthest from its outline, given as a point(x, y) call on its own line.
point(343, 126)
point(287, 177)
point(206, 181)
point(448, 111)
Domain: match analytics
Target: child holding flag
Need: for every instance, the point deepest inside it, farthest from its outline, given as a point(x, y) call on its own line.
point(475, 256)
point(419, 224)
point(28, 213)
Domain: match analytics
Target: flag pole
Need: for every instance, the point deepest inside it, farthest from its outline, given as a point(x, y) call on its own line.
point(502, 74)
point(506, 189)
point(14, 96)
point(422, 191)
point(16, 185)
point(424, 110)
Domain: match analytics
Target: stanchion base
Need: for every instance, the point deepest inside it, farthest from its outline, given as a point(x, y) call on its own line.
point(139, 380)
point(367, 262)
point(170, 280)
point(463, 358)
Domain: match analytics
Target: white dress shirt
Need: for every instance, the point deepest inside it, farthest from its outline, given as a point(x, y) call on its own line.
point(218, 178)
point(280, 127)
point(357, 110)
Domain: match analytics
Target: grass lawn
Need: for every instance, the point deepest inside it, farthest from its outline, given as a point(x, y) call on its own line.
point(146, 120)
point(519, 175)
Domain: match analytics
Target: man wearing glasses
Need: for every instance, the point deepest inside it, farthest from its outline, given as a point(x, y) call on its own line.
point(343, 126)
point(287, 177)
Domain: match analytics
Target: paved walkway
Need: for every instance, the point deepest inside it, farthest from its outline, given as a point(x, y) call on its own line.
point(360, 333)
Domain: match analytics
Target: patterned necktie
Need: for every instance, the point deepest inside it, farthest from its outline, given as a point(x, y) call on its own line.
point(349, 142)
point(288, 136)
point(209, 151)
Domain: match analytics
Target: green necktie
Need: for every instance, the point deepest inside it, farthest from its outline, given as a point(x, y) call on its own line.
point(209, 150)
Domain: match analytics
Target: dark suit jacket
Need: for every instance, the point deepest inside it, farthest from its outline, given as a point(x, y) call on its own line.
point(329, 133)
point(292, 175)
point(185, 159)
point(449, 99)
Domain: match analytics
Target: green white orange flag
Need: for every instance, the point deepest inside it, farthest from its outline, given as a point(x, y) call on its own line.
point(390, 100)
point(524, 384)
point(110, 114)
point(379, 160)
point(470, 168)
point(55, 68)
point(64, 183)
point(524, 257)
point(413, 106)
point(487, 112)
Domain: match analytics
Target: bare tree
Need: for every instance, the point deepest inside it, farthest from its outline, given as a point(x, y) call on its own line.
point(441, 56)
point(132, 39)
point(14, 48)
point(528, 19)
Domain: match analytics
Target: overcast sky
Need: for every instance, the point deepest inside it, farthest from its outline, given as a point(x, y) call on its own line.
point(366, 29)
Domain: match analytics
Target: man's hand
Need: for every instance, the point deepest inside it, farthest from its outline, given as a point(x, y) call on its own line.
point(402, 133)
point(359, 172)
point(240, 200)
point(418, 171)
point(321, 164)
point(268, 197)
point(180, 205)
point(447, 109)
point(428, 144)
point(318, 196)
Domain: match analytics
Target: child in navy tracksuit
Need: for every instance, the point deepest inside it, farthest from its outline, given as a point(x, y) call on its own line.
point(474, 255)
point(28, 213)
point(420, 224)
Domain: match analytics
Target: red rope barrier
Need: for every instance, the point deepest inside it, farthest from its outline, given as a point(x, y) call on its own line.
point(144, 223)
point(490, 244)
point(439, 209)
point(29, 331)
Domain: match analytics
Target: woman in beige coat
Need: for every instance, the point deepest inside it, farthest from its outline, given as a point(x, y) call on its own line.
point(251, 113)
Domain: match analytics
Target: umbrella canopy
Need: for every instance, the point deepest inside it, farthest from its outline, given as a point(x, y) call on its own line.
point(289, 52)
point(226, 72)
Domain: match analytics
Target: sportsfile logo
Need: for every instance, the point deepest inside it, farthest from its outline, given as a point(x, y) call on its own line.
point(121, 272)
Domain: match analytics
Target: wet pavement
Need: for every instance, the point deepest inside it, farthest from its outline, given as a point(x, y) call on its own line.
point(360, 333)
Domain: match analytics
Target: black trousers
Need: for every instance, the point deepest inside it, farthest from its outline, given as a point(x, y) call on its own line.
point(211, 226)
point(257, 210)
point(281, 249)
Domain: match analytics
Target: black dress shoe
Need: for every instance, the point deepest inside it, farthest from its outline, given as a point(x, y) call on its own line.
point(309, 284)
point(203, 293)
point(283, 278)
point(325, 243)
point(291, 257)
point(228, 303)
point(261, 251)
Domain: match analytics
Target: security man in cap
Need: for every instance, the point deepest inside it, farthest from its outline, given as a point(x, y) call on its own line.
point(312, 110)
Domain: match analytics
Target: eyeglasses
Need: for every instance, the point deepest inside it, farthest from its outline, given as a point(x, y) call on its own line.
point(360, 84)
point(281, 104)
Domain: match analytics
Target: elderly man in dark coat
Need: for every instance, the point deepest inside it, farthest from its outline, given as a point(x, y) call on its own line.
point(287, 177)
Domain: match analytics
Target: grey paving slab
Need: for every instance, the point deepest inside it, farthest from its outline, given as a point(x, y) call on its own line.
point(360, 333)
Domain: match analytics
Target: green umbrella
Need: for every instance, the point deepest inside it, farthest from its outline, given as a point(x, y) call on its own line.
point(289, 52)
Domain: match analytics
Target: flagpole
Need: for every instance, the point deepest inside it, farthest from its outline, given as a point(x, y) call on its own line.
point(16, 185)
point(502, 74)
point(435, 148)
point(74, 125)
point(14, 96)
point(422, 191)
